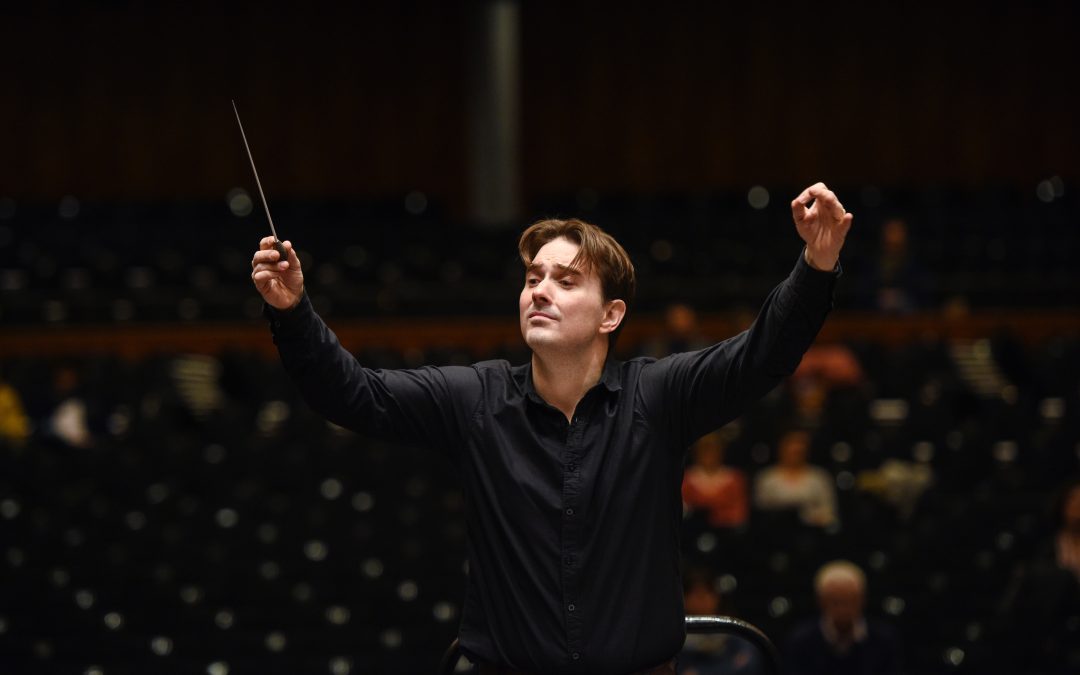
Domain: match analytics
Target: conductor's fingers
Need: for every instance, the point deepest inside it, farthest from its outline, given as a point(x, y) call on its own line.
point(292, 260)
point(816, 190)
point(798, 211)
point(845, 223)
point(264, 256)
point(806, 196)
point(266, 252)
point(268, 263)
point(827, 200)
point(263, 275)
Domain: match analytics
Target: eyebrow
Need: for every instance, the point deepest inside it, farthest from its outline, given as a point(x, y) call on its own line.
point(565, 269)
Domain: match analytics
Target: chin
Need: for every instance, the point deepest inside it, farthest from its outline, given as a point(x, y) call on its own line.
point(539, 339)
point(534, 339)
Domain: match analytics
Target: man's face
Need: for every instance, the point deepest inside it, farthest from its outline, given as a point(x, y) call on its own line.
point(560, 307)
point(841, 602)
point(794, 447)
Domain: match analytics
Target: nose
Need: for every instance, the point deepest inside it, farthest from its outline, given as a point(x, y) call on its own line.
point(540, 294)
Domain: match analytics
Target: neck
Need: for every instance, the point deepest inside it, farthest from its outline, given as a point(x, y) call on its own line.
point(563, 379)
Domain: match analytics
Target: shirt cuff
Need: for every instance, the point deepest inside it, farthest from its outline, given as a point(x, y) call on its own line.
point(288, 322)
point(814, 283)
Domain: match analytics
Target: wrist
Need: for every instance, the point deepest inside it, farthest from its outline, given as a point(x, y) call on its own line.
point(820, 263)
point(287, 306)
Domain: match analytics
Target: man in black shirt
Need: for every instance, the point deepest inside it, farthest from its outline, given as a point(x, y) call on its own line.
point(571, 463)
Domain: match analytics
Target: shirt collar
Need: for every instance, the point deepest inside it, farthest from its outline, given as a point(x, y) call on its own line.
point(833, 638)
point(609, 378)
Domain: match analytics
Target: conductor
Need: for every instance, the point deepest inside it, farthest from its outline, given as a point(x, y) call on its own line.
point(571, 463)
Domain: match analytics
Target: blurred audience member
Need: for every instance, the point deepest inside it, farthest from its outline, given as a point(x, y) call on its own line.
point(681, 332)
point(1067, 543)
point(898, 483)
point(833, 365)
point(793, 483)
point(842, 641)
point(809, 397)
point(713, 654)
point(14, 424)
point(896, 279)
point(68, 421)
point(710, 486)
point(1039, 630)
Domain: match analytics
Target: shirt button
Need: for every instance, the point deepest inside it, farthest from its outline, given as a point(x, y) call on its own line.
point(571, 607)
point(569, 512)
point(575, 656)
point(571, 467)
point(568, 560)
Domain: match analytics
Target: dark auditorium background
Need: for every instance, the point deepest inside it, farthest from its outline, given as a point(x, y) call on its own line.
point(168, 504)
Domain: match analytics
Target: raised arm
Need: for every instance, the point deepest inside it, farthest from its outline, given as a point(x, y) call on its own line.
point(700, 391)
point(425, 405)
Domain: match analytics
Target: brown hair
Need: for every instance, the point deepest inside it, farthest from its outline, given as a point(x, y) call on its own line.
point(598, 250)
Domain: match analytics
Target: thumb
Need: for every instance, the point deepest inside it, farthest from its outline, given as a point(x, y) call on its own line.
point(294, 261)
point(845, 223)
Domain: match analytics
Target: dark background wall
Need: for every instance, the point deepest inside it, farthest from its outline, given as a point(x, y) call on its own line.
point(114, 100)
point(199, 487)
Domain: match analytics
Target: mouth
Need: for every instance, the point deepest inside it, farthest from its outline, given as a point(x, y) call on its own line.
point(539, 315)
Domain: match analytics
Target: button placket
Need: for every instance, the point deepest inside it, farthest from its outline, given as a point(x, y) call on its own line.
point(571, 536)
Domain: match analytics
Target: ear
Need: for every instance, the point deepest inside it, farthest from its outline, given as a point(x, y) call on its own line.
point(614, 312)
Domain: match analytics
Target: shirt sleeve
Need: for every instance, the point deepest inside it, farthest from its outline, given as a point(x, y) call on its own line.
point(429, 405)
point(699, 391)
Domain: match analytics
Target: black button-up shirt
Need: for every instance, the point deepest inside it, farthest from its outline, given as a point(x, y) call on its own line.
point(573, 527)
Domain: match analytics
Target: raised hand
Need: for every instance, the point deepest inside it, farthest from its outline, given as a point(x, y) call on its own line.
point(822, 223)
point(280, 282)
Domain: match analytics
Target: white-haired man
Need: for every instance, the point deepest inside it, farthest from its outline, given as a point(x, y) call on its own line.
point(842, 641)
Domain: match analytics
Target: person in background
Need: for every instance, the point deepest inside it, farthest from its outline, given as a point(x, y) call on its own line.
point(713, 654)
point(681, 332)
point(710, 486)
point(896, 280)
point(842, 641)
point(793, 483)
point(1067, 540)
point(898, 483)
point(68, 423)
point(1036, 629)
point(14, 423)
point(832, 364)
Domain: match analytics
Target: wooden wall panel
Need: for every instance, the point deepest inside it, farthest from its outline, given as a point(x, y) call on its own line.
point(121, 100)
